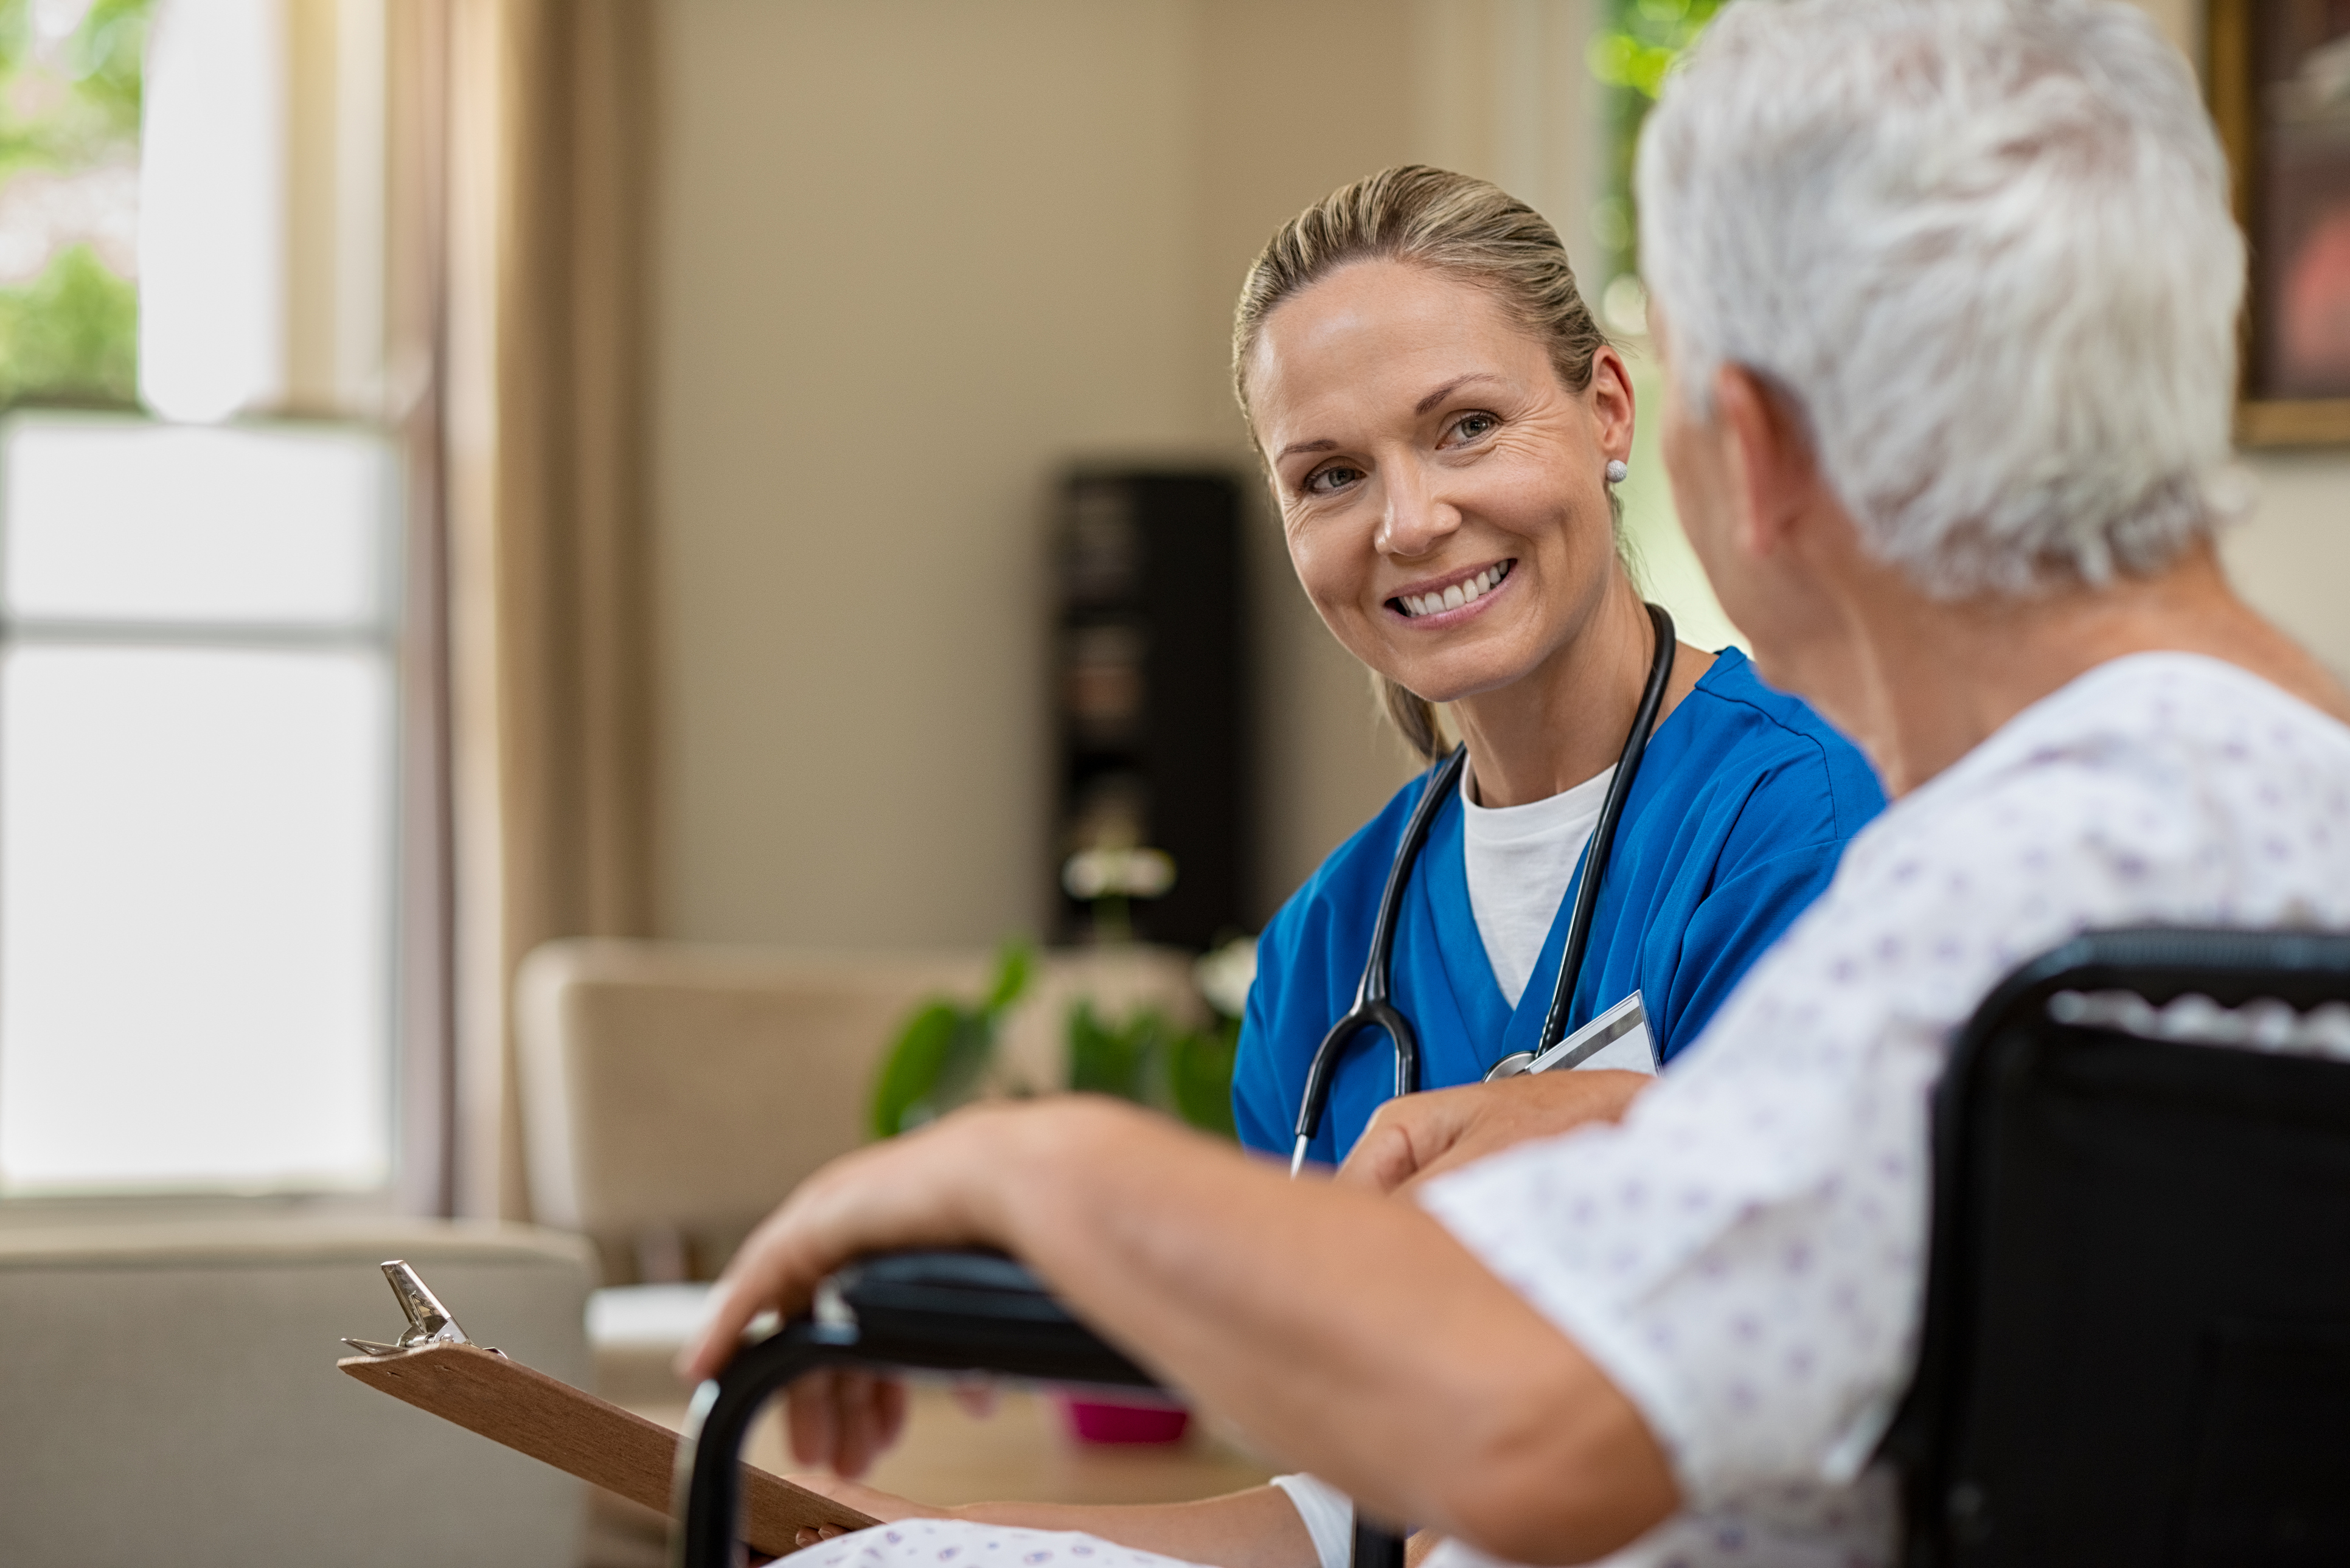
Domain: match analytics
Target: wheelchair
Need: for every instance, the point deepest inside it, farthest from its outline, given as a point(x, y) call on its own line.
point(2135, 1344)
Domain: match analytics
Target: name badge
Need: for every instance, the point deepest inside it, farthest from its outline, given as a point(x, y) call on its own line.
point(1618, 1038)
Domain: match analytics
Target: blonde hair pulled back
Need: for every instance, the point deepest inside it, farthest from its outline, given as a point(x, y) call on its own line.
point(1462, 227)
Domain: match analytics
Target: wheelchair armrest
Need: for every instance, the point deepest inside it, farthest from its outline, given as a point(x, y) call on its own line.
point(924, 1311)
point(974, 1312)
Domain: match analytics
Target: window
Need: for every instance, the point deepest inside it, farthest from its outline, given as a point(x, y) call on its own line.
point(200, 696)
point(196, 854)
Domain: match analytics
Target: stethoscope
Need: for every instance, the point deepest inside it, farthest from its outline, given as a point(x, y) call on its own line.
point(1372, 1010)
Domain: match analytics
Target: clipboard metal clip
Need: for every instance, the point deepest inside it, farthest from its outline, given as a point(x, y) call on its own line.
point(428, 1322)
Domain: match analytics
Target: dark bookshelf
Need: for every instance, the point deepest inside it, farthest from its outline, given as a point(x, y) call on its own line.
point(1149, 702)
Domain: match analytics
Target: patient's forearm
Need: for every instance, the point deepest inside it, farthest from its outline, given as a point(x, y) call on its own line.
point(1258, 1528)
point(1349, 1333)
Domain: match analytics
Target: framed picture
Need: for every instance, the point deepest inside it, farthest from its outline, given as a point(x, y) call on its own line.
point(2280, 94)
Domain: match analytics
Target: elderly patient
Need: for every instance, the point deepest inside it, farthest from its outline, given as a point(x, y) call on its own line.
point(1947, 292)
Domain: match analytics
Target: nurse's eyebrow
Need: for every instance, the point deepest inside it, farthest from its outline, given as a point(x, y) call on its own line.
point(1420, 407)
point(1450, 388)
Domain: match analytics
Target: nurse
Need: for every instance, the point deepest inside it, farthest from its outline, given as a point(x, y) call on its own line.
point(1438, 412)
point(1440, 421)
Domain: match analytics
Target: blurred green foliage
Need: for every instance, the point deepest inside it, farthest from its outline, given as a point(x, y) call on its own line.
point(943, 1052)
point(1199, 1077)
point(1148, 1059)
point(71, 335)
point(1119, 1059)
point(1637, 43)
point(944, 1049)
point(108, 55)
point(77, 102)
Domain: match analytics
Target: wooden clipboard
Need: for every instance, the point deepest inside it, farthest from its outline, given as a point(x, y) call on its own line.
point(581, 1435)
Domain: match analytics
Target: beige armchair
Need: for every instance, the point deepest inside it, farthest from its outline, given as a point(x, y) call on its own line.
point(672, 1094)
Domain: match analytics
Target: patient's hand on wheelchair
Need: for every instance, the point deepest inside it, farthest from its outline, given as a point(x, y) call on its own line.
point(844, 1420)
point(1419, 1136)
point(885, 1506)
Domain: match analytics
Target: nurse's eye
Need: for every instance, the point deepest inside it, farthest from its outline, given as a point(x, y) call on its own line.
point(1331, 478)
point(1469, 428)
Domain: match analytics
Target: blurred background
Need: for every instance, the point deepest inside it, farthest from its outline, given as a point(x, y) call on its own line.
point(569, 569)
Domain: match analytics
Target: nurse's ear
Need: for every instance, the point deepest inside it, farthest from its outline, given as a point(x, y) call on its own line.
point(1608, 395)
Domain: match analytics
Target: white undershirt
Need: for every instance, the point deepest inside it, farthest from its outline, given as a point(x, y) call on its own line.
point(1521, 861)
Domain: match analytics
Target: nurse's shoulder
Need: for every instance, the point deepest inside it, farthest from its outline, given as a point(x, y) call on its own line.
point(1307, 963)
point(1334, 910)
point(1800, 779)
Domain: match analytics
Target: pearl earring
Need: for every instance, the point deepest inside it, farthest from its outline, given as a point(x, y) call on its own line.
point(1616, 472)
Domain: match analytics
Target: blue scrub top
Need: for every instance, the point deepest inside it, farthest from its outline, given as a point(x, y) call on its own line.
point(1736, 819)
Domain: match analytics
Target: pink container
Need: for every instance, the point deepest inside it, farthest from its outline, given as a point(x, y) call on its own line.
point(1095, 1421)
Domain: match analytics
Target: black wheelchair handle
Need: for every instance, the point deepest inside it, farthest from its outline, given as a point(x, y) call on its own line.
point(928, 1311)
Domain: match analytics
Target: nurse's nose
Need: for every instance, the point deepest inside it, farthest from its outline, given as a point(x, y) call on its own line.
point(1417, 519)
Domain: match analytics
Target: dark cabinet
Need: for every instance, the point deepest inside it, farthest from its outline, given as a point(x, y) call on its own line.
point(1150, 825)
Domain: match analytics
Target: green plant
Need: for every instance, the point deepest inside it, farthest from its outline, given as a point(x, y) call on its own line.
point(943, 1051)
point(1148, 1059)
point(1199, 1077)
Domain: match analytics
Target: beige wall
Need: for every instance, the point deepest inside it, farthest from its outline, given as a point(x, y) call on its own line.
point(912, 255)
point(915, 255)
point(1268, 147)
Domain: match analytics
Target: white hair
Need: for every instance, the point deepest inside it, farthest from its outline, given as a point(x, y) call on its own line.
point(1984, 247)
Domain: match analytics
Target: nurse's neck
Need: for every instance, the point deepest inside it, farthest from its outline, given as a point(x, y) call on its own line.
point(1564, 722)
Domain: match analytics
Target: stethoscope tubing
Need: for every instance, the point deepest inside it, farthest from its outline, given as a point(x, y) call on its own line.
point(1372, 1008)
point(1603, 835)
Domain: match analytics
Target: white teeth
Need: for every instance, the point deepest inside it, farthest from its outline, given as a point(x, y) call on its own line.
point(1458, 594)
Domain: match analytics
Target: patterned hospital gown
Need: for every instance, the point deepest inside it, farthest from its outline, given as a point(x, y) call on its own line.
point(959, 1543)
point(1745, 1255)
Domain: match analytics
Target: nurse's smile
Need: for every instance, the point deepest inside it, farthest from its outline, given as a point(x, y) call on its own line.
point(1447, 601)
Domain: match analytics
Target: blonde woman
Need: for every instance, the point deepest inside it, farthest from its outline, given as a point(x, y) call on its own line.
point(1441, 422)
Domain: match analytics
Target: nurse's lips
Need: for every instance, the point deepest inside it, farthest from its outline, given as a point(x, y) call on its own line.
point(1445, 600)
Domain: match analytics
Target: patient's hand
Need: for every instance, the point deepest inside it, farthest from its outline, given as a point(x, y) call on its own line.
point(885, 1506)
point(845, 1419)
point(1422, 1135)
